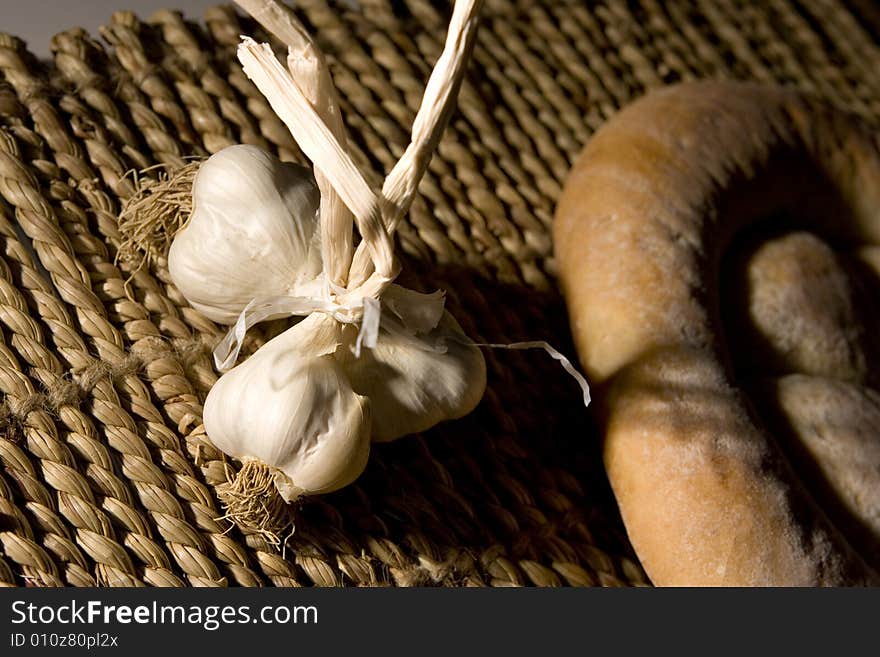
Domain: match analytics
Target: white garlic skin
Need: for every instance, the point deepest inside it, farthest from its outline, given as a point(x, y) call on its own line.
point(411, 388)
point(290, 405)
point(253, 232)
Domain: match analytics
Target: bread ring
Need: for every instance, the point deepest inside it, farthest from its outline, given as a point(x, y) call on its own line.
point(707, 492)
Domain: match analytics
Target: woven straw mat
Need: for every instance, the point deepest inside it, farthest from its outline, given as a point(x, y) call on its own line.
point(107, 477)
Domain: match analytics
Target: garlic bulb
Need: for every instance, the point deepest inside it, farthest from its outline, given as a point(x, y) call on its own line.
point(253, 233)
point(420, 377)
point(291, 407)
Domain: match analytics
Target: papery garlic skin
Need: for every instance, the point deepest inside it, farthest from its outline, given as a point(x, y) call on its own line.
point(412, 386)
point(291, 406)
point(253, 233)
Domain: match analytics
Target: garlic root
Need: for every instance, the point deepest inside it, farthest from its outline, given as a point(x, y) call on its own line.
point(253, 502)
point(150, 218)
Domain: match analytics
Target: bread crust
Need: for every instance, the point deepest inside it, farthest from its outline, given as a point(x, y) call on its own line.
point(648, 210)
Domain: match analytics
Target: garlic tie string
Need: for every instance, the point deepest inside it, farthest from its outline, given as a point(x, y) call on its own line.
point(262, 308)
point(555, 354)
point(366, 311)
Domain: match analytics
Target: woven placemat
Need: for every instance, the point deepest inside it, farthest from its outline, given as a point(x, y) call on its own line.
point(107, 478)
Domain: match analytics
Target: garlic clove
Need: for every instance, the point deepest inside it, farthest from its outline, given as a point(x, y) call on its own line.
point(253, 233)
point(411, 385)
point(291, 406)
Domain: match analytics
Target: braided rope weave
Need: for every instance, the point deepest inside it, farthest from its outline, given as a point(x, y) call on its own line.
point(106, 477)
